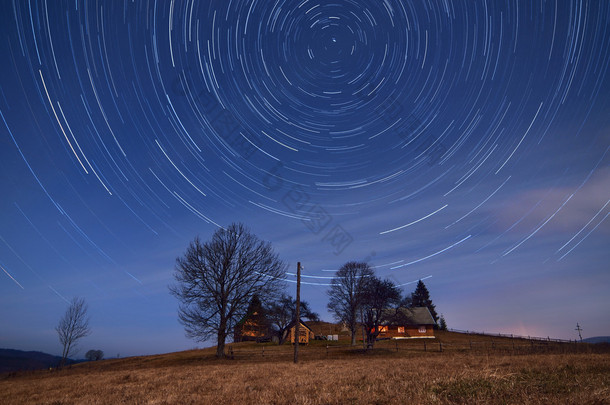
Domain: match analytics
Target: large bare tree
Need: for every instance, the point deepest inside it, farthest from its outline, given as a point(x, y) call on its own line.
point(346, 293)
point(216, 281)
point(74, 325)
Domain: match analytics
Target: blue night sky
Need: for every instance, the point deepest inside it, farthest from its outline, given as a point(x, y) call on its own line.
point(461, 142)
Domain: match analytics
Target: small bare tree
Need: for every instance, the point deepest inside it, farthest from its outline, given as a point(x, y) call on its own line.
point(216, 281)
point(282, 312)
point(73, 326)
point(94, 355)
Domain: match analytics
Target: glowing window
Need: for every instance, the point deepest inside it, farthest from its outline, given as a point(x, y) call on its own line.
point(422, 329)
point(401, 329)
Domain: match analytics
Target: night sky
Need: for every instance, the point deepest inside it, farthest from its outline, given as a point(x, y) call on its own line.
point(465, 143)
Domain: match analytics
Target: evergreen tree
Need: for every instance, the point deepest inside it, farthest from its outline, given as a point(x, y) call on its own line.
point(442, 325)
point(421, 298)
point(255, 305)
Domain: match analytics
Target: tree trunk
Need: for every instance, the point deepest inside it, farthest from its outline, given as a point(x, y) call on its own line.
point(353, 337)
point(222, 335)
point(64, 356)
point(370, 340)
point(220, 348)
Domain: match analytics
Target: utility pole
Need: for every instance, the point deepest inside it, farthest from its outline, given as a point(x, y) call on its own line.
point(579, 330)
point(297, 325)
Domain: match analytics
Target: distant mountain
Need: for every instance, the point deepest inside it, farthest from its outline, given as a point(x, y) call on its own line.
point(597, 339)
point(14, 360)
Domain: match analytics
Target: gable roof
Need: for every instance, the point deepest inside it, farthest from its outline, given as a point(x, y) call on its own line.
point(409, 316)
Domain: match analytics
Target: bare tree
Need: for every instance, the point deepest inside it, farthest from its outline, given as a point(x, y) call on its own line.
point(282, 312)
point(73, 326)
point(216, 281)
point(380, 298)
point(346, 293)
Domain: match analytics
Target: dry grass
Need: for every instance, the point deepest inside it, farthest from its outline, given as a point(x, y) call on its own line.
point(386, 377)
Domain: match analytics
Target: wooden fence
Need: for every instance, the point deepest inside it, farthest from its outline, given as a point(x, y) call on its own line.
point(546, 339)
point(475, 344)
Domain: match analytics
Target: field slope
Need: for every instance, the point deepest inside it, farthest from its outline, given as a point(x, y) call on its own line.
point(469, 370)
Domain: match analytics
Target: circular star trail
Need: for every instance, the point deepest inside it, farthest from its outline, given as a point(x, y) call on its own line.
point(227, 100)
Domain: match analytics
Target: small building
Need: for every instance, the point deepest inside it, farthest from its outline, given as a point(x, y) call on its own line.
point(254, 326)
point(305, 333)
point(407, 323)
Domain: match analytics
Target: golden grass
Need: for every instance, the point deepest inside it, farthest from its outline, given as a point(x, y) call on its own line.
point(385, 377)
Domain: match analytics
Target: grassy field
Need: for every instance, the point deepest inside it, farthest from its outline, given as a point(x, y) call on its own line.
point(491, 372)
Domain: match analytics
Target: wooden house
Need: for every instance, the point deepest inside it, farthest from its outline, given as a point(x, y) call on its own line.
point(305, 333)
point(254, 326)
point(407, 323)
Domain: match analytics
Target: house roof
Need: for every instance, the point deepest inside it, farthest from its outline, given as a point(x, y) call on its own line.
point(257, 315)
point(409, 316)
point(302, 323)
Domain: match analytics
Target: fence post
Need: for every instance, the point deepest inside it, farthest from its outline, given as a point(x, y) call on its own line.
point(440, 346)
point(231, 351)
point(425, 348)
point(396, 342)
point(470, 341)
point(263, 351)
point(326, 350)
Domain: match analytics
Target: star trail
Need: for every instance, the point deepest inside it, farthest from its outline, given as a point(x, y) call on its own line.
point(465, 143)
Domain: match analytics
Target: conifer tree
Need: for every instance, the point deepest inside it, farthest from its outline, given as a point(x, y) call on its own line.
point(421, 298)
point(442, 324)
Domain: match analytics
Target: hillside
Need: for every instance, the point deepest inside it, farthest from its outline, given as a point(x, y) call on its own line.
point(492, 371)
point(597, 339)
point(13, 360)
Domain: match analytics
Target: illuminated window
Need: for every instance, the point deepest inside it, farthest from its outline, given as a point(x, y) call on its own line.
point(383, 329)
point(422, 329)
point(401, 329)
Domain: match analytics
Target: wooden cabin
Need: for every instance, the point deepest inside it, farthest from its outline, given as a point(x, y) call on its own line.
point(254, 326)
point(305, 333)
point(407, 323)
